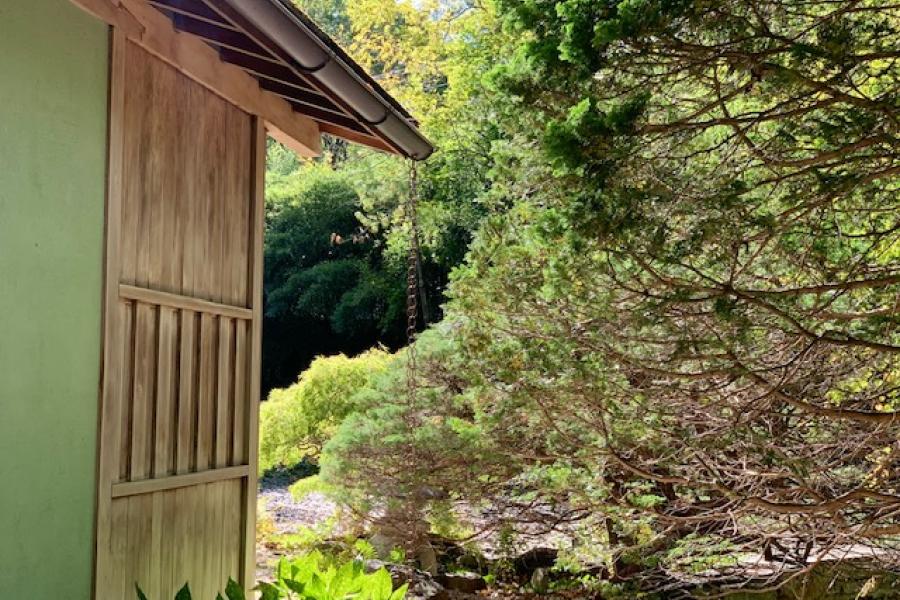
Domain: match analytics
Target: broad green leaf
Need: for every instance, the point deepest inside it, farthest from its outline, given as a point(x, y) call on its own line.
point(234, 591)
point(381, 584)
point(400, 593)
point(184, 593)
point(269, 591)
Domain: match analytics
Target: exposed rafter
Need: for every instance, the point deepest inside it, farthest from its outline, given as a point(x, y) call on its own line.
point(149, 28)
point(340, 99)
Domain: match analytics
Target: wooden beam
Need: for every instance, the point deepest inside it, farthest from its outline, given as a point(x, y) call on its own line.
point(111, 388)
point(153, 31)
point(110, 12)
point(161, 484)
point(148, 296)
point(251, 31)
point(357, 138)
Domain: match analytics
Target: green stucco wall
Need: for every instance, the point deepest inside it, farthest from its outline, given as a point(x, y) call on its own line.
point(53, 98)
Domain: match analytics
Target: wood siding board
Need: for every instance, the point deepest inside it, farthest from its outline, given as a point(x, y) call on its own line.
point(194, 57)
point(241, 396)
point(124, 401)
point(254, 300)
point(206, 400)
point(155, 559)
point(224, 411)
point(114, 313)
point(164, 436)
point(187, 393)
point(144, 391)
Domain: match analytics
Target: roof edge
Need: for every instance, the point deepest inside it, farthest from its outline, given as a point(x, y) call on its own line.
point(322, 59)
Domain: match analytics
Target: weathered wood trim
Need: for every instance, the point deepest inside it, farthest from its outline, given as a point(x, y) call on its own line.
point(162, 484)
point(355, 137)
point(255, 300)
point(110, 12)
point(111, 373)
point(149, 28)
point(147, 296)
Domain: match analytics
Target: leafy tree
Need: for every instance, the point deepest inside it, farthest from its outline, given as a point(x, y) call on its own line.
point(325, 298)
point(691, 307)
point(327, 288)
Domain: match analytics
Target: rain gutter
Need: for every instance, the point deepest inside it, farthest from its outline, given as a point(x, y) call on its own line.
point(318, 59)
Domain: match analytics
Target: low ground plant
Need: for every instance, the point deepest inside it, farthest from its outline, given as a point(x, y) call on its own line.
point(314, 576)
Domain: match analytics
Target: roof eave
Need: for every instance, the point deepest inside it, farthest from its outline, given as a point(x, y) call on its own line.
point(321, 59)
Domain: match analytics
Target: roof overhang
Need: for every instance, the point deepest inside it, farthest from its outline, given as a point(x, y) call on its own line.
point(297, 68)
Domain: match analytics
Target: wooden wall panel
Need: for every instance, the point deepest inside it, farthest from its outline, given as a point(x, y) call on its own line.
point(183, 305)
point(171, 537)
point(186, 208)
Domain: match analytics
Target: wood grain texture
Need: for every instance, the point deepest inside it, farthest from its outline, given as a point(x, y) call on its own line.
point(254, 300)
point(116, 316)
point(144, 25)
point(167, 538)
point(182, 320)
point(178, 301)
point(193, 57)
point(148, 486)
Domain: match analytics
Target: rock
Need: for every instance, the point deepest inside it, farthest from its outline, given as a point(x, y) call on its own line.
point(536, 558)
point(421, 585)
point(453, 556)
point(427, 559)
point(427, 589)
point(540, 581)
point(468, 583)
point(383, 544)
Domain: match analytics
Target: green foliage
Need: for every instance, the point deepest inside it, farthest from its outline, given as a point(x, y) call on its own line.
point(672, 227)
point(430, 56)
point(316, 577)
point(325, 279)
point(296, 421)
point(686, 273)
point(233, 591)
point(404, 460)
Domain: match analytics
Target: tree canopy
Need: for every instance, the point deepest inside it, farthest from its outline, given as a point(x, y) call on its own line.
point(673, 232)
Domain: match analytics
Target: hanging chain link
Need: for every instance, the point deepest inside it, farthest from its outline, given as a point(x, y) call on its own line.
point(412, 283)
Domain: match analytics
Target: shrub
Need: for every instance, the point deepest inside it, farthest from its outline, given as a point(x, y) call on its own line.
point(405, 461)
point(296, 421)
point(314, 576)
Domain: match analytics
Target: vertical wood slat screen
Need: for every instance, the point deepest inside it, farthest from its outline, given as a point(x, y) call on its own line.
point(185, 409)
point(182, 325)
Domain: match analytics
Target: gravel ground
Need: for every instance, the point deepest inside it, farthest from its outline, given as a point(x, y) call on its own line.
point(289, 514)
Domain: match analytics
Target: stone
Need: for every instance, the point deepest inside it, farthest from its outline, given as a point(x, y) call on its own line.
point(421, 585)
point(540, 581)
point(536, 558)
point(427, 589)
point(468, 583)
